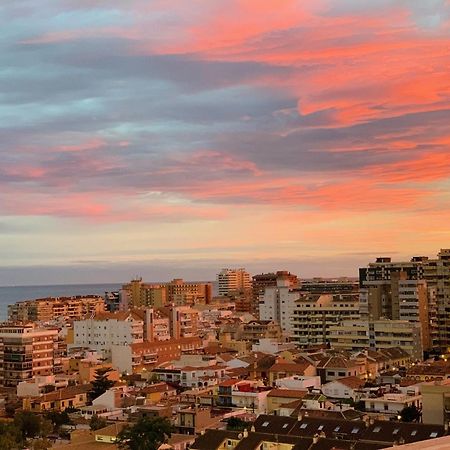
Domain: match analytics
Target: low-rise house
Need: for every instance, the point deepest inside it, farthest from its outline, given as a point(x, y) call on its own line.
point(333, 367)
point(40, 385)
point(344, 388)
point(435, 371)
point(392, 403)
point(202, 376)
point(110, 433)
point(283, 369)
point(155, 393)
point(193, 420)
point(298, 382)
point(277, 398)
point(251, 395)
point(316, 433)
point(69, 397)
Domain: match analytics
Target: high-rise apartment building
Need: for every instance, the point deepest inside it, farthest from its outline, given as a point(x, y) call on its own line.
point(278, 303)
point(261, 281)
point(48, 309)
point(230, 280)
point(157, 295)
point(361, 335)
point(180, 292)
point(26, 351)
point(314, 314)
point(140, 294)
point(391, 289)
point(105, 330)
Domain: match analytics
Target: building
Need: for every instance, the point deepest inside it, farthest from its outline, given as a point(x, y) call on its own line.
point(143, 357)
point(278, 304)
point(142, 294)
point(230, 280)
point(180, 293)
point(378, 335)
point(49, 309)
point(314, 314)
point(109, 329)
point(255, 330)
point(317, 433)
point(26, 351)
point(264, 280)
point(436, 402)
point(395, 296)
point(435, 272)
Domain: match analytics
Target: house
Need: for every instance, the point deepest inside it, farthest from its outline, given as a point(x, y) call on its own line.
point(343, 388)
point(194, 419)
point(277, 398)
point(251, 395)
point(109, 434)
point(337, 366)
point(283, 369)
point(392, 403)
point(155, 393)
point(69, 397)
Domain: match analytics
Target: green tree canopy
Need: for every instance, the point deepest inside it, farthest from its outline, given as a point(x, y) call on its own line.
point(97, 422)
point(10, 437)
point(146, 434)
point(28, 423)
point(58, 418)
point(100, 384)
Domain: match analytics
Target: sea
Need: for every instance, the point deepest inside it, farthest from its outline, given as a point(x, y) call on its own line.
point(13, 294)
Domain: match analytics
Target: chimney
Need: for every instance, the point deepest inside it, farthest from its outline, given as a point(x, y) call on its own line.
point(253, 429)
point(300, 417)
point(245, 433)
point(315, 438)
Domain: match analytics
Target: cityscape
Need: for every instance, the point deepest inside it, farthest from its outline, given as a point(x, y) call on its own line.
point(262, 361)
point(224, 225)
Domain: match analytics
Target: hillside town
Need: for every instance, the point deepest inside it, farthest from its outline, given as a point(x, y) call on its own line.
point(269, 361)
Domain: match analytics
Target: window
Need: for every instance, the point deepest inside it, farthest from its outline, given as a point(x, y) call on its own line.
point(433, 434)
point(355, 430)
point(285, 425)
point(377, 429)
point(303, 426)
point(320, 427)
point(396, 431)
point(265, 424)
point(413, 433)
point(337, 428)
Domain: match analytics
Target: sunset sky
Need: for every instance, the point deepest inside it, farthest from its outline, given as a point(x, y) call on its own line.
point(176, 137)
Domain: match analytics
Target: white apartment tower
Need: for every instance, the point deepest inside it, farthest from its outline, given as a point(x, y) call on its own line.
point(278, 303)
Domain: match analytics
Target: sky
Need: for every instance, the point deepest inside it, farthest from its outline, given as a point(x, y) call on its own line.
point(171, 138)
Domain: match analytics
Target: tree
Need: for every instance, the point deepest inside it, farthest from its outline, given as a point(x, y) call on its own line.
point(236, 424)
point(28, 423)
point(10, 437)
point(97, 422)
point(57, 419)
point(410, 414)
point(146, 434)
point(101, 383)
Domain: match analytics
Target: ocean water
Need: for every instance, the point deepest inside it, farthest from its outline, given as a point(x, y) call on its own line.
point(13, 294)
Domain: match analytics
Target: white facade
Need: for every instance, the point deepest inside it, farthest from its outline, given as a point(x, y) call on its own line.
point(272, 346)
point(298, 383)
point(278, 304)
point(336, 389)
point(102, 335)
